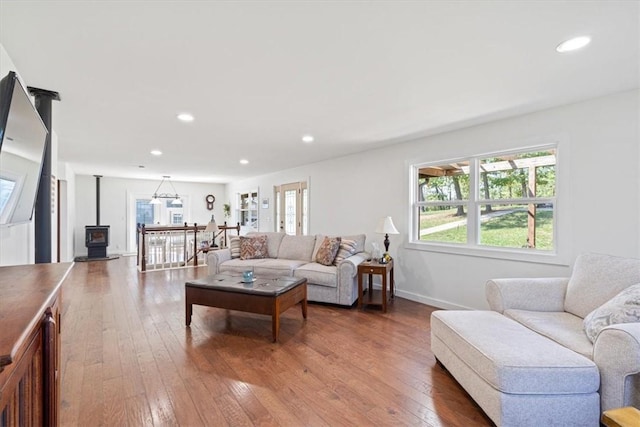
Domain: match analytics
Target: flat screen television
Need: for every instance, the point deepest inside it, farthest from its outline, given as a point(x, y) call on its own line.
point(22, 145)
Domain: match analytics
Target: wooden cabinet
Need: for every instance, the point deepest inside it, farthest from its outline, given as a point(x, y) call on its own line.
point(30, 301)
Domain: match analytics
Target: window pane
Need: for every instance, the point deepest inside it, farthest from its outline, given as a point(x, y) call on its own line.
point(518, 226)
point(144, 212)
point(445, 182)
point(305, 212)
point(446, 224)
point(290, 207)
point(517, 176)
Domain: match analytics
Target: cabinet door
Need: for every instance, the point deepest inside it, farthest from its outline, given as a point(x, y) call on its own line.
point(22, 393)
point(51, 363)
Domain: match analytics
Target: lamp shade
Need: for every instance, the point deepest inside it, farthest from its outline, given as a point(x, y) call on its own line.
point(212, 227)
point(385, 226)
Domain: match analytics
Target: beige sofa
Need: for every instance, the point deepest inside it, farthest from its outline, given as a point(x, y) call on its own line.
point(530, 360)
point(294, 256)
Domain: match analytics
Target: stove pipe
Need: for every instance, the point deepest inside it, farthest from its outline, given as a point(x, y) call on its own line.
point(98, 198)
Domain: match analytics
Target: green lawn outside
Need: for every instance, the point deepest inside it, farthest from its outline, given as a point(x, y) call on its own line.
point(507, 231)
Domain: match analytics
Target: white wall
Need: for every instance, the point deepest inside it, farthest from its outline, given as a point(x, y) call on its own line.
point(67, 179)
point(600, 204)
point(115, 197)
point(17, 242)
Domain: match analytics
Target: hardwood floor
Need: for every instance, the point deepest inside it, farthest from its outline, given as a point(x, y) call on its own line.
point(128, 359)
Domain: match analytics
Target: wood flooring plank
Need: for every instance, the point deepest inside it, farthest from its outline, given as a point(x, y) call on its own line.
point(137, 410)
point(129, 360)
point(114, 408)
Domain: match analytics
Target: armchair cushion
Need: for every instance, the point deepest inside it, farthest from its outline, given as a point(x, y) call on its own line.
point(534, 294)
point(564, 328)
point(596, 279)
point(623, 308)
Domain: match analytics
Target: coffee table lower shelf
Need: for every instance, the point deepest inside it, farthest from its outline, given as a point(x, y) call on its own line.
point(219, 296)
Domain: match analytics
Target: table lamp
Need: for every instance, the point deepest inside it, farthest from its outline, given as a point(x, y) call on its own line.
point(212, 227)
point(386, 227)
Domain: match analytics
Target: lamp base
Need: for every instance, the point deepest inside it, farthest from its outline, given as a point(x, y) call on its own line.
point(386, 243)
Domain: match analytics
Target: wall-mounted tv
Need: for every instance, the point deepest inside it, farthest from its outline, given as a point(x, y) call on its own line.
point(22, 143)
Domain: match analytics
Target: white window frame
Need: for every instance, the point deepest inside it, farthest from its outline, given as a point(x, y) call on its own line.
point(561, 228)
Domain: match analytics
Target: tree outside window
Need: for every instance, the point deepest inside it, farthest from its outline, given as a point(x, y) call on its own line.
point(505, 200)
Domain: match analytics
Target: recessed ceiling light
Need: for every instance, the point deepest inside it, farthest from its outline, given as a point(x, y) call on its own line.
point(307, 138)
point(156, 152)
point(573, 44)
point(244, 161)
point(185, 117)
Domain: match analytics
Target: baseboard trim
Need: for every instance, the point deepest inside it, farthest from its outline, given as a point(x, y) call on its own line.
point(431, 301)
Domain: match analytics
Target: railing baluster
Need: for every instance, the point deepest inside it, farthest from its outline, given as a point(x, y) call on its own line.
point(163, 247)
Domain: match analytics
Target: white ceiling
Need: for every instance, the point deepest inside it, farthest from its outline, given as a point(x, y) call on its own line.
point(258, 75)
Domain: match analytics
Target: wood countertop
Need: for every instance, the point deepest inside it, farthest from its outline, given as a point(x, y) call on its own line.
point(25, 293)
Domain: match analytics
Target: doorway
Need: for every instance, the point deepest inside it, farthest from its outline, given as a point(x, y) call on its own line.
point(292, 208)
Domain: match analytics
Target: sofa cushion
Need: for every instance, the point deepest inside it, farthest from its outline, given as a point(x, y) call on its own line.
point(296, 247)
point(271, 268)
point(596, 279)
point(347, 248)
point(234, 247)
point(623, 308)
point(327, 251)
point(237, 266)
point(564, 328)
point(253, 247)
point(318, 274)
point(273, 241)
point(512, 358)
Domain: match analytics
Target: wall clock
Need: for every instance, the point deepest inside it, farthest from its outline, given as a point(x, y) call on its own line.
point(210, 198)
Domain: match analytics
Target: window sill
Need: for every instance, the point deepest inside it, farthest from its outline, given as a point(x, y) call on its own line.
point(522, 255)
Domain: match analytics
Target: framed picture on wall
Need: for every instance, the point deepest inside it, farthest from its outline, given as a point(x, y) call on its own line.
point(265, 203)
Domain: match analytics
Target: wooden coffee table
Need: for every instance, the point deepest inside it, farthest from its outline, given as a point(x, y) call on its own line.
point(262, 296)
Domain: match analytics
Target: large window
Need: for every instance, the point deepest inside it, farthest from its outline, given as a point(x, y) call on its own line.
point(503, 200)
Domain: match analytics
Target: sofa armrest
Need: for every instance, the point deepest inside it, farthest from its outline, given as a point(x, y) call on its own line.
point(345, 280)
point(217, 257)
point(535, 294)
point(357, 259)
point(617, 354)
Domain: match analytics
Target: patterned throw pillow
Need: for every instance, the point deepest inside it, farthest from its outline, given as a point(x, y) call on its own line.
point(328, 250)
point(234, 247)
point(347, 248)
point(253, 247)
point(623, 308)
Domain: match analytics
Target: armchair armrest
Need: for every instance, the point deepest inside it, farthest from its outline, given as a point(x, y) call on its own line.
point(617, 354)
point(535, 294)
point(215, 258)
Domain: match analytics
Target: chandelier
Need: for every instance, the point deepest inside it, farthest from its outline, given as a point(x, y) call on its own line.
point(155, 199)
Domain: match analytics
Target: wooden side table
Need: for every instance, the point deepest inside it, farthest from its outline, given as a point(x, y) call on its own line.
point(371, 268)
point(621, 417)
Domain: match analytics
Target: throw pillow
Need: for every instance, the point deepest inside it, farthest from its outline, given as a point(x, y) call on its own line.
point(347, 248)
point(234, 247)
point(328, 250)
point(623, 308)
point(253, 247)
